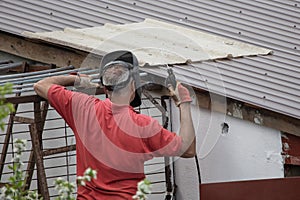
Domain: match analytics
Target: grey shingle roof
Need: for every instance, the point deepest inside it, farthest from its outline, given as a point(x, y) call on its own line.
point(272, 82)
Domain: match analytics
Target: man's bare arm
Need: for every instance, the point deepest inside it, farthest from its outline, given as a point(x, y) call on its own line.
point(182, 99)
point(42, 87)
point(187, 131)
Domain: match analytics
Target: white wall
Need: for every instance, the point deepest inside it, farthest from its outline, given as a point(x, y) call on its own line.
point(248, 151)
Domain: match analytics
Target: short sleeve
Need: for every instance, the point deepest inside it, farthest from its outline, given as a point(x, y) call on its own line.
point(164, 142)
point(61, 100)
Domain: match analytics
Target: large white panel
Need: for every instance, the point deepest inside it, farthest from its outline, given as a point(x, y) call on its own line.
point(246, 152)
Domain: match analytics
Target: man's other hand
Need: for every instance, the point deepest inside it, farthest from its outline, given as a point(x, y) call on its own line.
point(180, 95)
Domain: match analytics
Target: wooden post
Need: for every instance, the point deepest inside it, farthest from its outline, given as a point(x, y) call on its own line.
point(32, 158)
point(36, 131)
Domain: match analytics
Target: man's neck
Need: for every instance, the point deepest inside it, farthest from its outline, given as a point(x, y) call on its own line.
point(120, 100)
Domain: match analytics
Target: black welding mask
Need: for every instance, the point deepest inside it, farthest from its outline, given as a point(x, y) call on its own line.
point(128, 60)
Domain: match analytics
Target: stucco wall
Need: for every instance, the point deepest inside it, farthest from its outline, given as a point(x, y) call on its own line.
point(246, 152)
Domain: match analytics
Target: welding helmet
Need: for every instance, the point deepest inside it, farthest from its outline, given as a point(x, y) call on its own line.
point(128, 60)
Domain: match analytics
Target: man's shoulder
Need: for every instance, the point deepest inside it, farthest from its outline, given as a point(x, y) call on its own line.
point(144, 120)
point(59, 92)
point(56, 90)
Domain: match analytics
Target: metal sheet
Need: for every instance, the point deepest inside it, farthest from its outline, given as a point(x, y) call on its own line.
point(275, 189)
point(291, 149)
point(154, 42)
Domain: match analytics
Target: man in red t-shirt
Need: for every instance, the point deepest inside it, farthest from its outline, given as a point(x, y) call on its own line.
point(110, 136)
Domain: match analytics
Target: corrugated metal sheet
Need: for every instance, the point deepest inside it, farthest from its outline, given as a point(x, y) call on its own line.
point(272, 82)
point(252, 83)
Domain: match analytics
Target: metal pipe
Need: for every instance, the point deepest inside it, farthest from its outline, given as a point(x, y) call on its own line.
point(10, 66)
point(36, 73)
point(5, 62)
point(39, 77)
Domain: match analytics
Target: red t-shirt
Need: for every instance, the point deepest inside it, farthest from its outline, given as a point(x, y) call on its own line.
point(112, 139)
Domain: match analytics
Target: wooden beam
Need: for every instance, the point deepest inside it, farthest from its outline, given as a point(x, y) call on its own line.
point(36, 50)
point(24, 99)
point(24, 120)
point(57, 150)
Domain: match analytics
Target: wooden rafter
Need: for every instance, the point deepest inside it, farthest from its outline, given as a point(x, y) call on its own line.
point(42, 52)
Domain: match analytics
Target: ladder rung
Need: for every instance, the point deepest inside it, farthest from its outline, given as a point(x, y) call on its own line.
point(49, 152)
point(25, 120)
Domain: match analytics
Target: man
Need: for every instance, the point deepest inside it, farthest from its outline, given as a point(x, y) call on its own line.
point(110, 136)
